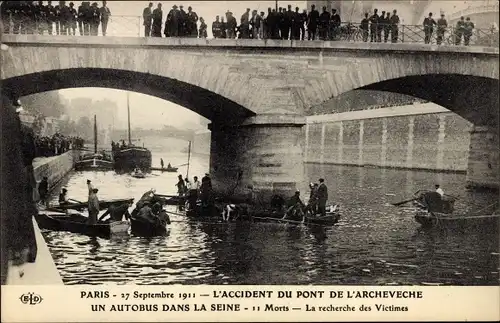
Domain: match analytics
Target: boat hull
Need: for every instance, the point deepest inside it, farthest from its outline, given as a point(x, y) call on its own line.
point(127, 159)
point(72, 223)
point(93, 164)
point(102, 204)
point(441, 220)
point(146, 229)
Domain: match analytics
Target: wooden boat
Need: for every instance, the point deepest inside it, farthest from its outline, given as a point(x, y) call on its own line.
point(80, 206)
point(170, 169)
point(128, 157)
point(138, 174)
point(94, 161)
point(432, 210)
point(77, 223)
point(171, 199)
point(427, 219)
point(331, 218)
point(144, 228)
point(214, 214)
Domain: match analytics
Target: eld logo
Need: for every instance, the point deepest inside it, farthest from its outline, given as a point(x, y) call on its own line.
point(31, 299)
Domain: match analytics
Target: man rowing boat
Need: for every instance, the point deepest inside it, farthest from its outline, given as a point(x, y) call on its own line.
point(116, 212)
point(295, 208)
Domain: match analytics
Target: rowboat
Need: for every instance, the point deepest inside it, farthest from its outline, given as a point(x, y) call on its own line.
point(171, 199)
point(427, 219)
point(77, 223)
point(170, 169)
point(214, 214)
point(434, 210)
point(83, 205)
point(138, 174)
point(144, 228)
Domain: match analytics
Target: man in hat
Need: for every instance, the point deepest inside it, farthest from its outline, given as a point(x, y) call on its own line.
point(322, 197)
point(105, 14)
point(172, 23)
point(183, 20)
point(147, 16)
point(441, 28)
point(93, 206)
point(89, 186)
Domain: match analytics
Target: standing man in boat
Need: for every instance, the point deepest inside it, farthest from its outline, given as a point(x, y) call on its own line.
point(43, 190)
point(313, 199)
point(63, 197)
point(322, 196)
point(181, 186)
point(90, 187)
point(439, 190)
point(93, 207)
point(192, 195)
point(161, 163)
point(206, 190)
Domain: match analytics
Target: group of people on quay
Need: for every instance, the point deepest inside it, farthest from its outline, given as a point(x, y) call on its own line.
point(47, 146)
point(33, 17)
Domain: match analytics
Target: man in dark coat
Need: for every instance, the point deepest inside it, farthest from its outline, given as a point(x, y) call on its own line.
point(394, 20)
point(157, 21)
point(322, 196)
point(442, 24)
point(147, 16)
point(374, 26)
point(312, 23)
point(428, 28)
point(105, 13)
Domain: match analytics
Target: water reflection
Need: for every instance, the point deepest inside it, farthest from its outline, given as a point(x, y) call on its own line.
point(374, 243)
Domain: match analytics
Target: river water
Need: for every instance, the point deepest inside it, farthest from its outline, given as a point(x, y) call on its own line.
point(375, 243)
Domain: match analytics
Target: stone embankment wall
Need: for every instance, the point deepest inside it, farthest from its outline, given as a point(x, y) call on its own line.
point(421, 136)
point(55, 168)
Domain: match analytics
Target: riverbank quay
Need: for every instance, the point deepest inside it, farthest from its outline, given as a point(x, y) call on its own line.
point(43, 271)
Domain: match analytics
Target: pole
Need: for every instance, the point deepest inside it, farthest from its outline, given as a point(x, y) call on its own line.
point(95, 134)
point(276, 5)
point(189, 157)
point(128, 113)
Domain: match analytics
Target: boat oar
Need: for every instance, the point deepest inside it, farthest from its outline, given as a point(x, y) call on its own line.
point(76, 201)
point(405, 201)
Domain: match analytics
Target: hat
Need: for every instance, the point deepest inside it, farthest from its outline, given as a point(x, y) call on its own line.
point(321, 180)
point(88, 181)
point(174, 6)
point(95, 190)
point(207, 174)
point(64, 189)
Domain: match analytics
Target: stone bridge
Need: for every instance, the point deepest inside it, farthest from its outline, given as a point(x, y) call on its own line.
point(257, 92)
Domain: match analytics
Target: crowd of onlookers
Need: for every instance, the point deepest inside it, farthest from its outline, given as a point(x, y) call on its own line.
point(57, 144)
point(33, 17)
point(28, 17)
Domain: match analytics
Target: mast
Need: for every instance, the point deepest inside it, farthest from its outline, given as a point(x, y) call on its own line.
point(128, 114)
point(95, 134)
point(189, 156)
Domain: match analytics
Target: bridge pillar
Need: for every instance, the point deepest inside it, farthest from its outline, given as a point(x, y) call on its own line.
point(262, 156)
point(483, 164)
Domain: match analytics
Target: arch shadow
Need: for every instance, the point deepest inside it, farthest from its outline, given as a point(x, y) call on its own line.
point(202, 101)
point(474, 98)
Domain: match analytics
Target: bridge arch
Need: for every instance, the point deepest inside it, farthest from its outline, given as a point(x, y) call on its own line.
point(202, 101)
point(475, 98)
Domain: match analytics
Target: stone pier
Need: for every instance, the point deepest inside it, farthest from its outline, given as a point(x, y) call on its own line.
point(483, 162)
point(264, 153)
